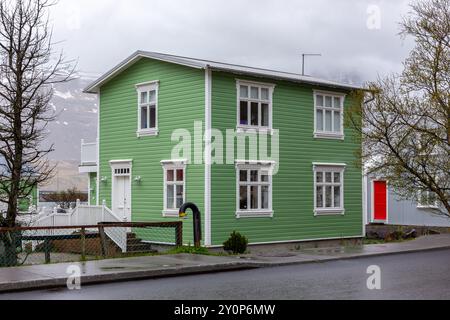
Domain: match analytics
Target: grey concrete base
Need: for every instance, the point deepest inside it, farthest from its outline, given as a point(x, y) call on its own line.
point(56, 275)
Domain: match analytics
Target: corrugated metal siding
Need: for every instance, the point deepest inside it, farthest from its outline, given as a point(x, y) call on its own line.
point(294, 219)
point(181, 102)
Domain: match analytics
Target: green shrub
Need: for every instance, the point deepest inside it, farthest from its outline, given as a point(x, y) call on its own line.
point(236, 243)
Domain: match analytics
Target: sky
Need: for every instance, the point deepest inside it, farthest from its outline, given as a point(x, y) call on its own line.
point(358, 39)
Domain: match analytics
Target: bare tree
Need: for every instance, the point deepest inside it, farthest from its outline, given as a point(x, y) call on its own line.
point(405, 124)
point(28, 70)
point(66, 199)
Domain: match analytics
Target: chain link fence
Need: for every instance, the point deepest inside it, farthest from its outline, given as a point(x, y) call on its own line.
point(44, 245)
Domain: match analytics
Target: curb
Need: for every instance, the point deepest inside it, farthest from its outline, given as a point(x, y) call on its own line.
point(49, 283)
point(349, 257)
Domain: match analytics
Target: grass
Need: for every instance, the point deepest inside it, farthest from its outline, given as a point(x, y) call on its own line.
point(190, 250)
point(382, 241)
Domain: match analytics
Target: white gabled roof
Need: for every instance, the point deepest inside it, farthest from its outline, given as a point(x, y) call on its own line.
point(214, 65)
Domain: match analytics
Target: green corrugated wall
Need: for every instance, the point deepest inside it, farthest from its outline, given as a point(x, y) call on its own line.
point(181, 102)
point(293, 194)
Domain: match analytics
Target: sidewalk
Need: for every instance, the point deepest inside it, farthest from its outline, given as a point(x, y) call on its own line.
point(44, 276)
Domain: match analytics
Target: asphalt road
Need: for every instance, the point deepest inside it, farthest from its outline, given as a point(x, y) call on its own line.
point(424, 275)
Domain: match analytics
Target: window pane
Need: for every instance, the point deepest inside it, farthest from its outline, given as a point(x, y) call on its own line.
point(180, 191)
point(170, 199)
point(319, 101)
point(328, 102)
point(254, 114)
point(244, 113)
point(152, 116)
point(254, 176)
point(144, 123)
point(254, 197)
point(264, 177)
point(180, 175)
point(328, 177)
point(264, 94)
point(319, 120)
point(328, 121)
point(319, 177)
point(337, 102)
point(337, 121)
point(243, 175)
point(152, 96)
point(144, 97)
point(169, 175)
point(337, 197)
point(265, 197)
point(319, 197)
point(265, 115)
point(432, 198)
point(243, 205)
point(254, 93)
point(423, 198)
point(337, 177)
point(328, 200)
point(244, 92)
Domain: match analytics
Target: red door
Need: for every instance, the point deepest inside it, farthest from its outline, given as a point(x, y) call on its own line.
point(379, 201)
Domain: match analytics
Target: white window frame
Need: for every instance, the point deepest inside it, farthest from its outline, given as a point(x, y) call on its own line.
point(242, 128)
point(426, 205)
point(329, 167)
point(261, 166)
point(173, 165)
point(147, 87)
point(323, 134)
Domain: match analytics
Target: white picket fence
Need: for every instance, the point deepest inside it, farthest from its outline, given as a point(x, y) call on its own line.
point(83, 215)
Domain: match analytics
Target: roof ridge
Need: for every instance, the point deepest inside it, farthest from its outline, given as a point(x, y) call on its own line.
point(225, 63)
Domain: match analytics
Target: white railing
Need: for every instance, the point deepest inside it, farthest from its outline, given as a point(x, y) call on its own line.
point(117, 235)
point(83, 215)
point(88, 153)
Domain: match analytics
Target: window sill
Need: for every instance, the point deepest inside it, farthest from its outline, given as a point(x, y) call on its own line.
point(147, 133)
point(170, 214)
point(250, 129)
point(254, 214)
point(329, 212)
point(425, 207)
point(324, 135)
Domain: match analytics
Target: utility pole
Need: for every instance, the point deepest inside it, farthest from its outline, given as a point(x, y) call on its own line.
point(308, 55)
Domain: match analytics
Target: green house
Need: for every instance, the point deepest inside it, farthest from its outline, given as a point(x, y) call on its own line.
point(262, 152)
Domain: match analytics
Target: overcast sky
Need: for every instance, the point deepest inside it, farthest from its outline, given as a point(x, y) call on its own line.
point(358, 39)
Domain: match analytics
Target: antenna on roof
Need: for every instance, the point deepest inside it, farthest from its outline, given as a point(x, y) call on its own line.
point(308, 55)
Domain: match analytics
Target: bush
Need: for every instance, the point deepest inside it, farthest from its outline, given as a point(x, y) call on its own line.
point(236, 243)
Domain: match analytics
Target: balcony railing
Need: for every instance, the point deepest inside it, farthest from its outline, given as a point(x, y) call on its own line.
point(88, 153)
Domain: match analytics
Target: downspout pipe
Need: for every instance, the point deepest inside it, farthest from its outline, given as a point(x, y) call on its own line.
point(196, 219)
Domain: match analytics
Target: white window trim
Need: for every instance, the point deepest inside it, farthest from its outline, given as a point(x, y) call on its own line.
point(336, 167)
point(141, 87)
point(245, 128)
point(434, 206)
point(255, 165)
point(326, 134)
point(172, 165)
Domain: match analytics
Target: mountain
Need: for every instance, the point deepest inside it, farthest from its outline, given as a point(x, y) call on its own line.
point(76, 119)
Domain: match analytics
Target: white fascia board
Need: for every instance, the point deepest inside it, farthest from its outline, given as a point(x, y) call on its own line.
point(94, 87)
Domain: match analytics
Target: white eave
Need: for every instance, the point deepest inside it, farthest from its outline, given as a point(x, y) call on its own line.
point(214, 65)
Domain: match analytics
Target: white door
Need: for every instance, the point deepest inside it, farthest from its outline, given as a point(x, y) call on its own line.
point(122, 197)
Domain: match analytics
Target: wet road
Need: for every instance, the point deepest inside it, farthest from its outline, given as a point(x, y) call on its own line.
point(423, 275)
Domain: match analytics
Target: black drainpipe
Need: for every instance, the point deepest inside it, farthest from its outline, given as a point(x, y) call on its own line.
point(196, 219)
